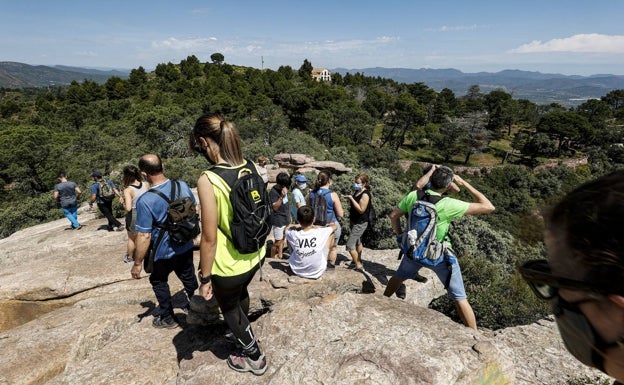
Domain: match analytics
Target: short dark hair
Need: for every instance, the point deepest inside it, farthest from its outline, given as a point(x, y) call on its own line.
point(442, 177)
point(305, 215)
point(62, 174)
point(283, 179)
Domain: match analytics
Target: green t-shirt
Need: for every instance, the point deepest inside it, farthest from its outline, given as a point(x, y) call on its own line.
point(447, 208)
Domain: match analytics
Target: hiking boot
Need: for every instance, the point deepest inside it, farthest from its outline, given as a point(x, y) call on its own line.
point(165, 322)
point(229, 336)
point(401, 291)
point(420, 278)
point(243, 364)
point(78, 228)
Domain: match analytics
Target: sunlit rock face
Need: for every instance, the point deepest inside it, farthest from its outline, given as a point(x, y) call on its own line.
point(71, 314)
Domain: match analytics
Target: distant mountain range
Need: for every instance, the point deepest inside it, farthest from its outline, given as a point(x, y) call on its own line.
point(540, 88)
point(20, 75)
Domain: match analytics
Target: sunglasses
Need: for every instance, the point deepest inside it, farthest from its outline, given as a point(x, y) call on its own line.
point(546, 286)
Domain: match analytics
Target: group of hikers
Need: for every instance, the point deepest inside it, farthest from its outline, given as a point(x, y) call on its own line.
point(582, 278)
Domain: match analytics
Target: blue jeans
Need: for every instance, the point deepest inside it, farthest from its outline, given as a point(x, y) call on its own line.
point(454, 284)
point(71, 213)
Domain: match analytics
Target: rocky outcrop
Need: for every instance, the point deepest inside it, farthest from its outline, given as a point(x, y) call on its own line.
point(303, 163)
point(71, 314)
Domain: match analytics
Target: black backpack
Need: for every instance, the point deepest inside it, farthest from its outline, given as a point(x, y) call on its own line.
point(319, 205)
point(371, 218)
point(182, 221)
point(250, 224)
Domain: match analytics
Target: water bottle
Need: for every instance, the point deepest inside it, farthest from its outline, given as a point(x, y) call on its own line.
point(412, 237)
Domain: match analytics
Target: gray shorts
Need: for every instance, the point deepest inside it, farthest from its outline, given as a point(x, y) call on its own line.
point(355, 237)
point(337, 233)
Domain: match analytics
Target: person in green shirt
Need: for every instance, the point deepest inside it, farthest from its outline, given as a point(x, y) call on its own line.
point(441, 179)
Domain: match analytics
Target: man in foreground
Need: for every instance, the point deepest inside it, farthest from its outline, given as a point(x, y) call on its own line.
point(169, 256)
point(441, 178)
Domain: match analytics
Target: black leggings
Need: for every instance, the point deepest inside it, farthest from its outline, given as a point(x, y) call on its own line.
point(233, 298)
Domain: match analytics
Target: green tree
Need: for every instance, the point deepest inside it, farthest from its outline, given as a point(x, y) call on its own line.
point(305, 71)
point(377, 103)
point(615, 99)
point(406, 115)
point(26, 159)
point(598, 114)
point(190, 67)
point(475, 137)
point(473, 101)
point(137, 77)
point(217, 58)
point(116, 88)
point(447, 142)
point(167, 72)
point(569, 127)
point(500, 108)
point(445, 106)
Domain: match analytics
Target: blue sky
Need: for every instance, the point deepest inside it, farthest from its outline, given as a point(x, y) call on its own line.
point(554, 36)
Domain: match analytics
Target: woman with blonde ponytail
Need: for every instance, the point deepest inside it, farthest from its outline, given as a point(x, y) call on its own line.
point(225, 272)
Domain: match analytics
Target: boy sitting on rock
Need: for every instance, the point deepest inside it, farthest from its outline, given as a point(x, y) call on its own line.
point(309, 245)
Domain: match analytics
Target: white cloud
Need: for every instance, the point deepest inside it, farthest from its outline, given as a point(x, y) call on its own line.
point(593, 42)
point(86, 54)
point(184, 44)
point(450, 28)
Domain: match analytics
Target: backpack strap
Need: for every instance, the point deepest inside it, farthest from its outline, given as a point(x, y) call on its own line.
point(231, 175)
point(425, 196)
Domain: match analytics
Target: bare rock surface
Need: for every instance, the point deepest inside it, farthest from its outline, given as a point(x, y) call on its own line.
point(305, 163)
point(71, 314)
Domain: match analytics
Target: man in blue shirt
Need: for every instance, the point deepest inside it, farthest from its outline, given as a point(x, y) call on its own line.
point(169, 256)
point(67, 194)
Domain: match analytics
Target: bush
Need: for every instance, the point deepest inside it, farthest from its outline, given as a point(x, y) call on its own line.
point(30, 212)
point(499, 299)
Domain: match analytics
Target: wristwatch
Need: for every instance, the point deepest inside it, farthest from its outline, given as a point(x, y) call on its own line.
point(203, 279)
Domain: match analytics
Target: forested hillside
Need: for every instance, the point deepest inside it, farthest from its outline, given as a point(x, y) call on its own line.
point(368, 123)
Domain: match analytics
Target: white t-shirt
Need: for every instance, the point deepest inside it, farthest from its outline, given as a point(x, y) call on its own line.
point(308, 251)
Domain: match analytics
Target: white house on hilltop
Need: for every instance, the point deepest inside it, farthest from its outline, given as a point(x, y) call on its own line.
point(321, 74)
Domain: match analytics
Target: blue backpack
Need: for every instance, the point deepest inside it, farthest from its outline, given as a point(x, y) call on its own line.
point(419, 240)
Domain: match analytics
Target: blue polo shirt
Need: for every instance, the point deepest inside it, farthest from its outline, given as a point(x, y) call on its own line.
point(152, 209)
